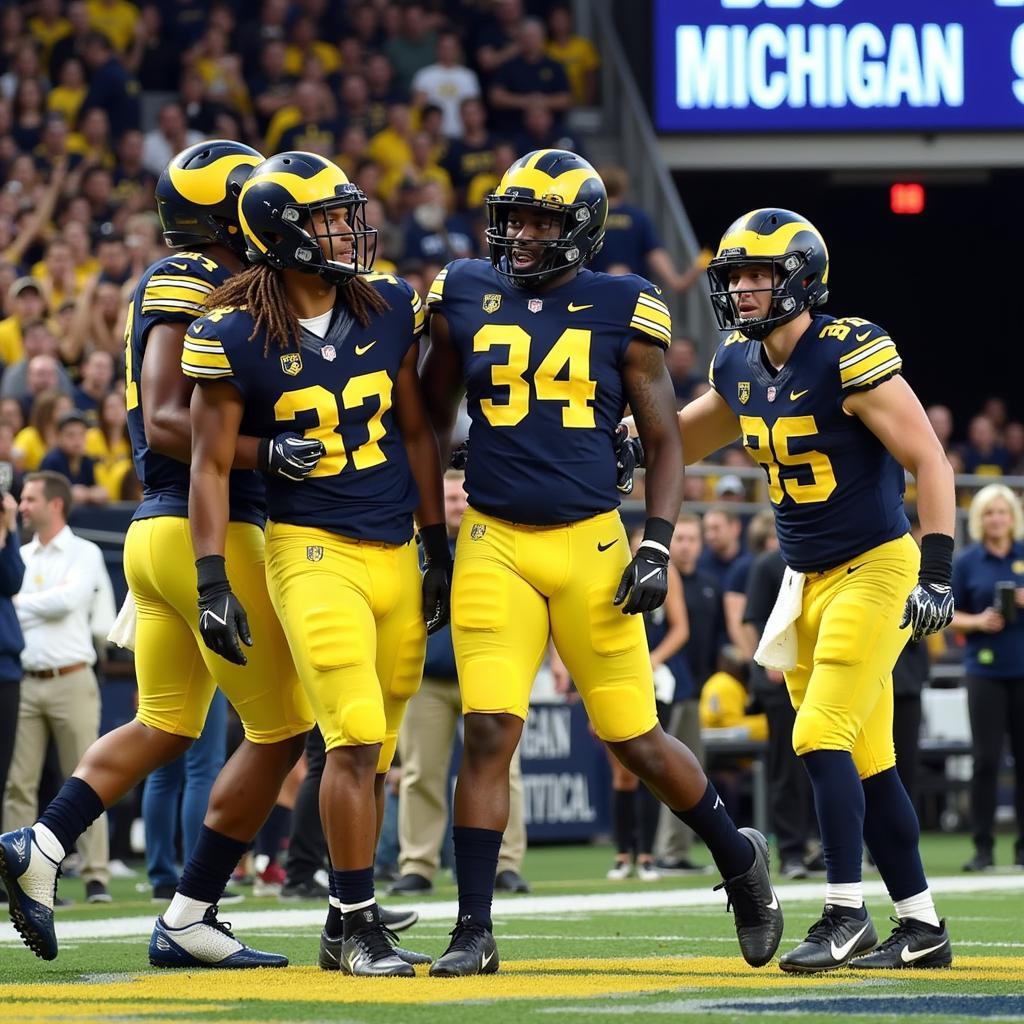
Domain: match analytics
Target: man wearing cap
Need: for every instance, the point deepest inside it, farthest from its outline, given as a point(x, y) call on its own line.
point(25, 303)
point(65, 578)
point(723, 530)
point(69, 459)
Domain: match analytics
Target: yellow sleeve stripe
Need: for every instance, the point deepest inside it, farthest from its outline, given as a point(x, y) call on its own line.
point(203, 372)
point(651, 300)
point(653, 310)
point(180, 282)
point(205, 360)
point(883, 369)
point(201, 345)
point(865, 350)
point(656, 331)
point(436, 293)
point(867, 361)
point(417, 314)
point(189, 308)
point(177, 292)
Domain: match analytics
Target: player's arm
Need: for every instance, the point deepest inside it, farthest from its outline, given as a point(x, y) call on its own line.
point(893, 413)
point(216, 413)
point(166, 393)
point(649, 390)
point(442, 383)
point(425, 462)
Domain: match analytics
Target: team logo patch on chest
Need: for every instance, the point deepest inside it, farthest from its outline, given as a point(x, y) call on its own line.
point(314, 553)
point(291, 363)
point(743, 391)
point(491, 303)
point(478, 530)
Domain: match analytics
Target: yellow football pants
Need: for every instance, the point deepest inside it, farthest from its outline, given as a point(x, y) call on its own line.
point(848, 639)
point(517, 585)
point(176, 671)
point(352, 612)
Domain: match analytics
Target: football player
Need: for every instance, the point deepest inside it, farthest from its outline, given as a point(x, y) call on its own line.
point(822, 405)
point(197, 199)
point(549, 353)
point(322, 347)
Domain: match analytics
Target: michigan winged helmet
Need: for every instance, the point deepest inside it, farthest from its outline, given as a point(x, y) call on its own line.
point(557, 182)
point(197, 194)
point(791, 247)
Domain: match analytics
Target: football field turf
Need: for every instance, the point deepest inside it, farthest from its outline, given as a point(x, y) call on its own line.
point(577, 947)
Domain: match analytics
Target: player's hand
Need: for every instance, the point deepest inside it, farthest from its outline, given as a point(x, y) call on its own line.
point(644, 584)
point(290, 455)
point(929, 608)
point(437, 577)
point(629, 457)
point(459, 456)
point(222, 619)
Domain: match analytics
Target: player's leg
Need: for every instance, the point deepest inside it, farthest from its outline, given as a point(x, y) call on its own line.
point(607, 655)
point(850, 622)
point(325, 594)
point(275, 715)
point(172, 707)
point(500, 631)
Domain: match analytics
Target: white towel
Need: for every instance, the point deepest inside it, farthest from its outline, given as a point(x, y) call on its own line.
point(777, 648)
point(664, 684)
point(122, 633)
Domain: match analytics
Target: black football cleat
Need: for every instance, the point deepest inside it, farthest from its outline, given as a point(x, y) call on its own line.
point(912, 943)
point(755, 906)
point(839, 935)
point(331, 949)
point(471, 951)
point(368, 953)
point(397, 920)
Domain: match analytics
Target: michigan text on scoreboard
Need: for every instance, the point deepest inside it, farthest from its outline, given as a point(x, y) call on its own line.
point(838, 65)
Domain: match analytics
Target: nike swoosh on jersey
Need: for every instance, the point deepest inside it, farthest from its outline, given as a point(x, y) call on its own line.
point(179, 266)
point(605, 547)
point(485, 959)
point(361, 350)
point(864, 336)
point(794, 395)
point(852, 568)
point(573, 308)
point(843, 951)
point(909, 957)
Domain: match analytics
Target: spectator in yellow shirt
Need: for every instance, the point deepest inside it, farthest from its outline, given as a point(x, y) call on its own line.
point(92, 139)
point(33, 442)
point(418, 171)
point(115, 19)
point(67, 96)
point(108, 445)
point(27, 302)
point(576, 54)
point(303, 42)
point(221, 71)
point(723, 698)
point(48, 25)
point(392, 147)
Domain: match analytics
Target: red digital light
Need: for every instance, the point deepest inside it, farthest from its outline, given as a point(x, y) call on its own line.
point(907, 197)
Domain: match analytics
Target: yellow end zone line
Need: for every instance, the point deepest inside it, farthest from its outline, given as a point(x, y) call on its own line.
point(525, 906)
point(161, 993)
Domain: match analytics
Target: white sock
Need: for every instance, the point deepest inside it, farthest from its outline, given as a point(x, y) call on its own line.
point(844, 894)
point(348, 908)
point(920, 907)
point(48, 843)
point(184, 911)
point(334, 902)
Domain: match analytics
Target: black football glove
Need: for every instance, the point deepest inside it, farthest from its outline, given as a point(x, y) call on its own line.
point(437, 576)
point(290, 455)
point(929, 607)
point(629, 457)
point(459, 456)
point(644, 584)
point(222, 620)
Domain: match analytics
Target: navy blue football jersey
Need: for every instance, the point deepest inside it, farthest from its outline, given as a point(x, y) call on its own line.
point(340, 389)
point(837, 491)
point(173, 290)
point(544, 389)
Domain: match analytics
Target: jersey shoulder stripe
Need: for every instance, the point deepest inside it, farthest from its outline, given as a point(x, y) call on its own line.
point(204, 356)
point(867, 355)
point(435, 296)
point(397, 291)
point(178, 286)
point(652, 318)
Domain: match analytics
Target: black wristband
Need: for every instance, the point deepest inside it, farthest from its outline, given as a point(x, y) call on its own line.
point(210, 574)
point(434, 539)
point(263, 454)
point(936, 558)
point(659, 531)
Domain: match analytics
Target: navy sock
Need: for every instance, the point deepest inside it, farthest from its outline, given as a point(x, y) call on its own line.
point(208, 869)
point(839, 803)
point(333, 923)
point(624, 820)
point(732, 851)
point(892, 834)
point(648, 811)
point(72, 811)
point(476, 864)
point(354, 887)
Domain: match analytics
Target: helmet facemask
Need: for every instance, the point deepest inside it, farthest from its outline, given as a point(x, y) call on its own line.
point(311, 222)
point(570, 249)
point(792, 292)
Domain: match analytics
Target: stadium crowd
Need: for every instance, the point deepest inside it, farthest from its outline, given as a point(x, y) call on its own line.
point(424, 106)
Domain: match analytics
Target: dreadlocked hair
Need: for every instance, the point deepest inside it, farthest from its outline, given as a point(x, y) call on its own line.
point(261, 290)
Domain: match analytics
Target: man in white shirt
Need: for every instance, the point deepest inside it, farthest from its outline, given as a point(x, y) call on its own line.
point(65, 580)
point(446, 84)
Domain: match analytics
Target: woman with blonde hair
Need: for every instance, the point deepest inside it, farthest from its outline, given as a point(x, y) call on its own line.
point(31, 443)
point(988, 588)
point(108, 445)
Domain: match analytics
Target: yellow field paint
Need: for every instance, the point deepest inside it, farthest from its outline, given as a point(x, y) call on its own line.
point(524, 979)
point(100, 1010)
